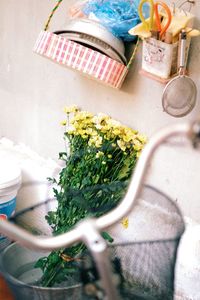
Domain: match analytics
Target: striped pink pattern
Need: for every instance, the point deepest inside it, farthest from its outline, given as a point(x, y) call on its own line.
point(90, 62)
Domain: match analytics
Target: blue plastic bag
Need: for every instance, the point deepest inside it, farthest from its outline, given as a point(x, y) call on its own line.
point(118, 16)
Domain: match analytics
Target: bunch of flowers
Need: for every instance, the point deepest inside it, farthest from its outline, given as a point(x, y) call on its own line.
point(101, 157)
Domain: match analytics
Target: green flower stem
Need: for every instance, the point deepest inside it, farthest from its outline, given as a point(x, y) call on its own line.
point(93, 181)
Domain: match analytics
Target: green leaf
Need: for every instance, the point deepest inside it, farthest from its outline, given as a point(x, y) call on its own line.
point(41, 263)
point(107, 237)
point(86, 187)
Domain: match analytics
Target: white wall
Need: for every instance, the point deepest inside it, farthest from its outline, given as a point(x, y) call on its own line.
point(33, 92)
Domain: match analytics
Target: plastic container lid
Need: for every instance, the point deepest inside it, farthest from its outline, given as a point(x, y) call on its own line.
point(10, 173)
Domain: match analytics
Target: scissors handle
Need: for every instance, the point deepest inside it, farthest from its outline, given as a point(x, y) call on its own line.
point(149, 25)
point(157, 16)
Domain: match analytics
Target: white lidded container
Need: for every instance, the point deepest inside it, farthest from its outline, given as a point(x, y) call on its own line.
point(10, 181)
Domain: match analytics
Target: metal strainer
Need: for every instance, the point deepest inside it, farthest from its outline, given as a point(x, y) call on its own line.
point(179, 96)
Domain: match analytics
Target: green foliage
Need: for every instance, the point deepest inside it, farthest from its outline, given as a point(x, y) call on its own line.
point(102, 156)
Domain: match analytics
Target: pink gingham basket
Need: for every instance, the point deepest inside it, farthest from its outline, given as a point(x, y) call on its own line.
point(89, 62)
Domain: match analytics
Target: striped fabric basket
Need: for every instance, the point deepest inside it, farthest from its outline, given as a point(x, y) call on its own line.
point(80, 58)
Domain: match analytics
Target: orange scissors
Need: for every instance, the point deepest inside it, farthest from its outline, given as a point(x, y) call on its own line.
point(158, 19)
point(153, 10)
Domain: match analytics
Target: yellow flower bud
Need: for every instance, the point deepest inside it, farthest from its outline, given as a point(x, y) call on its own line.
point(125, 223)
point(99, 154)
point(63, 123)
point(71, 109)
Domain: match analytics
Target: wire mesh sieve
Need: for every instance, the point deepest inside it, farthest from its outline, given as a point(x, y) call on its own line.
point(179, 96)
point(143, 255)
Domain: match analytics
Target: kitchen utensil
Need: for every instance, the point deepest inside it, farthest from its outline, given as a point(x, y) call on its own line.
point(179, 95)
point(93, 34)
point(153, 12)
point(162, 30)
point(149, 26)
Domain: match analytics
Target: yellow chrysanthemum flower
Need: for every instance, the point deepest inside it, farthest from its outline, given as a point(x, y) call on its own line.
point(100, 118)
point(99, 154)
point(98, 142)
point(121, 145)
point(125, 223)
point(116, 131)
point(63, 123)
point(83, 116)
point(113, 123)
point(137, 145)
point(95, 141)
point(90, 131)
point(71, 109)
point(142, 138)
point(101, 128)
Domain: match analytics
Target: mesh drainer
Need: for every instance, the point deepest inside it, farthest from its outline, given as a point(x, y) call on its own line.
point(143, 258)
point(179, 95)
